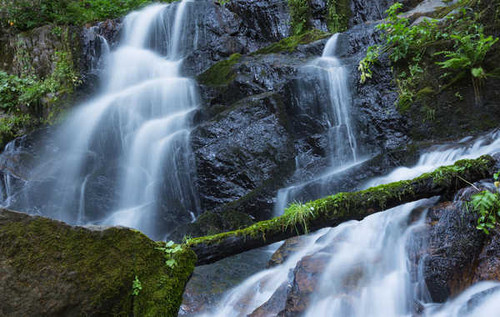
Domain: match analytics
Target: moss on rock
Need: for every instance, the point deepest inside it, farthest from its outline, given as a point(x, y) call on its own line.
point(52, 268)
point(221, 73)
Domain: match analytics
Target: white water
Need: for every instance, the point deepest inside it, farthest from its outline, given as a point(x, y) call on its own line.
point(343, 147)
point(368, 267)
point(136, 130)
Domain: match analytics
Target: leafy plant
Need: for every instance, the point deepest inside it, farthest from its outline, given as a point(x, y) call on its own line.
point(468, 54)
point(338, 13)
point(170, 249)
point(136, 286)
point(406, 45)
point(365, 65)
point(27, 14)
point(487, 205)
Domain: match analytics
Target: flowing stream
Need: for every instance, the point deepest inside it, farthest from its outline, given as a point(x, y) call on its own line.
point(135, 132)
point(367, 265)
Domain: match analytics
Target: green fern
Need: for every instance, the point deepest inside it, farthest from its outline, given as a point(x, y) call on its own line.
point(487, 205)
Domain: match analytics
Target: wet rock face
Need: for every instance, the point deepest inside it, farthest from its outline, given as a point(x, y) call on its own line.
point(380, 128)
point(488, 268)
point(240, 149)
point(453, 245)
point(35, 51)
point(237, 27)
point(454, 253)
point(365, 11)
point(305, 280)
point(379, 124)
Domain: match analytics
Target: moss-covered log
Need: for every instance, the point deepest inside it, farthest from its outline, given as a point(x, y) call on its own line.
point(333, 210)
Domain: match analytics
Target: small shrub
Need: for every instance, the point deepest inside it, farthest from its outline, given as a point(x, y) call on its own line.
point(406, 46)
point(487, 205)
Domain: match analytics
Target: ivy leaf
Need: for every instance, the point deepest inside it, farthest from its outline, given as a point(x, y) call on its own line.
point(478, 72)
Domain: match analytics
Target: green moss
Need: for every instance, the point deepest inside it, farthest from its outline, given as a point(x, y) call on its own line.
point(104, 265)
point(221, 73)
point(339, 12)
point(300, 15)
point(289, 44)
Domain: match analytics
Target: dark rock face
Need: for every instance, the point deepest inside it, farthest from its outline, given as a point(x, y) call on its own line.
point(488, 268)
point(241, 148)
point(35, 50)
point(305, 280)
point(237, 27)
point(48, 268)
point(454, 253)
point(380, 127)
point(453, 245)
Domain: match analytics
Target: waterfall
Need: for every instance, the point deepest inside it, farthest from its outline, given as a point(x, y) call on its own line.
point(367, 267)
point(132, 139)
point(333, 79)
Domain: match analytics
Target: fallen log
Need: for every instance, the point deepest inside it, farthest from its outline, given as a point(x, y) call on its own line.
point(300, 219)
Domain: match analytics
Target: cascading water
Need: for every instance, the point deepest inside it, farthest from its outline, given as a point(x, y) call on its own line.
point(131, 140)
point(367, 268)
point(343, 148)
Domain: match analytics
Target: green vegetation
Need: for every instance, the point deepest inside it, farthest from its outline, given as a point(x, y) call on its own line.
point(26, 97)
point(409, 47)
point(469, 52)
point(339, 12)
point(337, 15)
point(366, 64)
point(136, 286)
point(27, 14)
point(300, 14)
point(170, 249)
point(487, 206)
point(291, 43)
point(221, 73)
point(296, 214)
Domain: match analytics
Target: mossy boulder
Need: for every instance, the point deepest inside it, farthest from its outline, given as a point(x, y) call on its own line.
point(48, 268)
